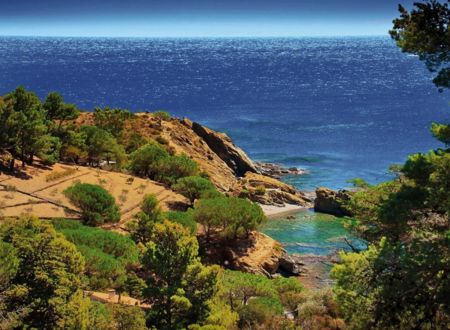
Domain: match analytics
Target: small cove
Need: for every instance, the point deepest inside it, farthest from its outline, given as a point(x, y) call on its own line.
point(311, 233)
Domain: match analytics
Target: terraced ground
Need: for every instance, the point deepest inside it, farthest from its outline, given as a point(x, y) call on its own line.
point(38, 190)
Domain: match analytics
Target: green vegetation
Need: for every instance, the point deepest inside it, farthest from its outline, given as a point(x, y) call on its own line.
point(162, 115)
point(96, 204)
point(112, 120)
point(176, 167)
point(101, 144)
point(180, 286)
point(193, 187)
point(153, 161)
point(145, 160)
point(231, 217)
point(41, 278)
point(402, 281)
point(183, 218)
point(141, 229)
point(260, 302)
point(109, 257)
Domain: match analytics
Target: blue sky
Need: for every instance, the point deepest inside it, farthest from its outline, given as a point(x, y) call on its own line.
point(197, 18)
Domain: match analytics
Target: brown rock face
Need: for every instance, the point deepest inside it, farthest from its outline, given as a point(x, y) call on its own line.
point(331, 202)
point(217, 156)
point(259, 254)
point(223, 147)
point(275, 191)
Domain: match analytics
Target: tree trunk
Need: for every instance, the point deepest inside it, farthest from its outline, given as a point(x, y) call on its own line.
point(11, 164)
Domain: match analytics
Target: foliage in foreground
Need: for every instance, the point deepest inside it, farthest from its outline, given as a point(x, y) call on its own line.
point(110, 258)
point(41, 281)
point(180, 286)
point(403, 280)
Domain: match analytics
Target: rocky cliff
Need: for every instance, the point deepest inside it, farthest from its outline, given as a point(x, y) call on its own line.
point(228, 167)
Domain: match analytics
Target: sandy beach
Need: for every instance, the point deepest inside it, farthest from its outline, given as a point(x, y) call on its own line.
point(272, 211)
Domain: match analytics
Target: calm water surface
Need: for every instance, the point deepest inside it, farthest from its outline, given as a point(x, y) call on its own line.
point(311, 233)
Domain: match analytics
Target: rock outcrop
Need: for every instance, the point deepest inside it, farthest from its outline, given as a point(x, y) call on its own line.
point(332, 202)
point(269, 191)
point(288, 266)
point(258, 254)
point(223, 147)
point(217, 156)
point(277, 171)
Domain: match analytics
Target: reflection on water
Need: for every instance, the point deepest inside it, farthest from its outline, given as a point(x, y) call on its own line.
point(312, 233)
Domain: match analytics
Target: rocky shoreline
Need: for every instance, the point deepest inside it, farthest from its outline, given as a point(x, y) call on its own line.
point(277, 171)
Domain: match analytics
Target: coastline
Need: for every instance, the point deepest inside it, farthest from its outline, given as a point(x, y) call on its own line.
point(272, 211)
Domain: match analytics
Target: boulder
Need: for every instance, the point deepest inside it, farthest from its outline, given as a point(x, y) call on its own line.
point(332, 202)
point(288, 266)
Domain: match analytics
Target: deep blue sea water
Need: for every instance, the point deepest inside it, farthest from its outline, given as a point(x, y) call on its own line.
point(340, 107)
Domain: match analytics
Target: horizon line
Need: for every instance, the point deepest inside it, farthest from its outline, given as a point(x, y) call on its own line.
point(197, 36)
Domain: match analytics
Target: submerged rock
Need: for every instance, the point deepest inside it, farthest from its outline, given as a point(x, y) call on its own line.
point(332, 202)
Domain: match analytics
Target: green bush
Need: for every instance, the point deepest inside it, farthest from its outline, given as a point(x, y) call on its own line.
point(112, 120)
point(192, 187)
point(175, 167)
point(260, 190)
point(141, 228)
point(96, 204)
point(230, 216)
point(244, 193)
point(183, 218)
point(146, 160)
point(161, 114)
point(107, 254)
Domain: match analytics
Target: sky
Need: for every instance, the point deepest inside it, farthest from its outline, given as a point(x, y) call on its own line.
point(197, 18)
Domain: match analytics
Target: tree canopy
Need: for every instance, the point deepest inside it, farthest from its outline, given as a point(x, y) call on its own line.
point(96, 204)
point(43, 276)
point(180, 287)
point(402, 280)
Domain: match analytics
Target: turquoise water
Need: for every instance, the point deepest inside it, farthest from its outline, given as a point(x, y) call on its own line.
point(311, 233)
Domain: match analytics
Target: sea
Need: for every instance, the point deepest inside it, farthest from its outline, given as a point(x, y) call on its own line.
point(339, 108)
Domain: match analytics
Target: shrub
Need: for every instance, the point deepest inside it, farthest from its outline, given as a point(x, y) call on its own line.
point(96, 204)
point(259, 311)
point(192, 187)
point(141, 228)
point(146, 160)
point(260, 190)
point(107, 254)
point(175, 167)
point(244, 193)
point(183, 218)
point(230, 216)
point(133, 142)
point(10, 187)
point(161, 114)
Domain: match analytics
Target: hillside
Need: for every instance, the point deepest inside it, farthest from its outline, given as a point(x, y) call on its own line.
point(227, 166)
point(39, 190)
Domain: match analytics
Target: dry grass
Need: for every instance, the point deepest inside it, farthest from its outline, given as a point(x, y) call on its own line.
point(126, 189)
point(56, 175)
